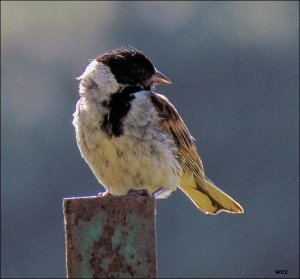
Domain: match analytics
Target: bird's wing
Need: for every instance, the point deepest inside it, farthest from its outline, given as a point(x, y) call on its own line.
point(172, 123)
point(203, 193)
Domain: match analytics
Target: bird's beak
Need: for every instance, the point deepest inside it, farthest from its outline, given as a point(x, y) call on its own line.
point(159, 79)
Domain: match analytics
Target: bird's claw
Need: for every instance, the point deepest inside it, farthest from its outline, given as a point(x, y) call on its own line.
point(104, 194)
point(143, 192)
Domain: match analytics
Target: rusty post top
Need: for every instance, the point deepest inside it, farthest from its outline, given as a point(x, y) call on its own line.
point(110, 237)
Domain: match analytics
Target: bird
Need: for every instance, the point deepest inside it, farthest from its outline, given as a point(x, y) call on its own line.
point(134, 139)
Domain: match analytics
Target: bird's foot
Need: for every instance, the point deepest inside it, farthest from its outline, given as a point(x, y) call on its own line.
point(104, 194)
point(143, 192)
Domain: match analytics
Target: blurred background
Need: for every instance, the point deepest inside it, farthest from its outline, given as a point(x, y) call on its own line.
point(235, 72)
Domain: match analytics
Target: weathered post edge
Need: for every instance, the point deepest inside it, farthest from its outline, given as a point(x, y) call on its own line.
point(110, 236)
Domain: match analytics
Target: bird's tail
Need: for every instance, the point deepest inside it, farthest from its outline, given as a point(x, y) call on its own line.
point(206, 196)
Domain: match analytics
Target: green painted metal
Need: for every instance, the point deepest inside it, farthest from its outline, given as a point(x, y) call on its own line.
point(110, 237)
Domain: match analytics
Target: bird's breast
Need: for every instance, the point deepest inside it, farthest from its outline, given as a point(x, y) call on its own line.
point(142, 157)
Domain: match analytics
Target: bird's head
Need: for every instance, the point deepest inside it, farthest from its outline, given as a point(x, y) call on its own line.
point(115, 70)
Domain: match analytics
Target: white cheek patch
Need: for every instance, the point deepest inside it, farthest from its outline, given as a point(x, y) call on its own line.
point(102, 76)
point(89, 69)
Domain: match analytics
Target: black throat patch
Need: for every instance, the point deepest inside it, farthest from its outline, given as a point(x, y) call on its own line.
point(118, 106)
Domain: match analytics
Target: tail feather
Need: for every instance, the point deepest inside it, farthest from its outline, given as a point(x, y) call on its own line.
point(207, 196)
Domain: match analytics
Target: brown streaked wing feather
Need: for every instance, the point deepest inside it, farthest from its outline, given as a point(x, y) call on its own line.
point(203, 193)
point(172, 123)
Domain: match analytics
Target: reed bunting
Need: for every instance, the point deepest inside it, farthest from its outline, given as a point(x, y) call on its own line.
point(133, 139)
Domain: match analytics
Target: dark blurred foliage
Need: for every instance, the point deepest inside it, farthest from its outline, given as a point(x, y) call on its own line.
point(235, 72)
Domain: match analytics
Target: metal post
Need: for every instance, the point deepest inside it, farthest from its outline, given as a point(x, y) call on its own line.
point(110, 237)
